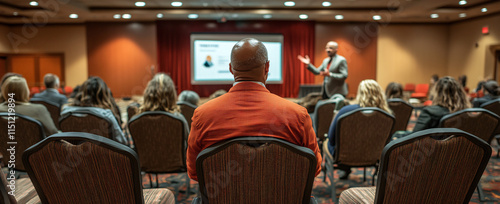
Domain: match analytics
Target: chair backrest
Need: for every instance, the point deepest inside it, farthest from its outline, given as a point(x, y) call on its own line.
point(20, 131)
point(255, 170)
point(324, 116)
point(160, 140)
point(493, 106)
point(53, 108)
point(422, 88)
point(477, 121)
point(440, 165)
point(76, 167)
point(409, 87)
point(86, 122)
point(5, 197)
point(132, 109)
point(361, 136)
point(187, 111)
point(402, 112)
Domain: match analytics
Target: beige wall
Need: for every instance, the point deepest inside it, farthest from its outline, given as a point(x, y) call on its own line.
point(4, 42)
point(67, 39)
point(464, 57)
point(411, 53)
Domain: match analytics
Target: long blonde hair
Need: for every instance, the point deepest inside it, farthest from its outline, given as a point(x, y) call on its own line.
point(448, 93)
point(160, 95)
point(370, 94)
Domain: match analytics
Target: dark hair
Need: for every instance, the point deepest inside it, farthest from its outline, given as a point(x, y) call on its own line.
point(448, 93)
point(492, 87)
point(394, 90)
point(435, 77)
point(95, 93)
point(463, 80)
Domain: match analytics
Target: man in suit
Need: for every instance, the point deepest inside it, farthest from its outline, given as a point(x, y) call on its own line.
point(51, 94)
point(249, 109)
point(333, 68)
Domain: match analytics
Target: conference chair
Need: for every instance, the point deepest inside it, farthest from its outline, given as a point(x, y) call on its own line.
point(494, 106)
point(53, 108)
point(86, 122)
point(255, 170)
point(440, 165)
point(187, 110)
point(477, 121)
point(132, 109)
point(160, 140)
point(402, 112)
point(421, 91)
point(24, 190)
point(359, 140)
point(76, 167)
point(25, 130)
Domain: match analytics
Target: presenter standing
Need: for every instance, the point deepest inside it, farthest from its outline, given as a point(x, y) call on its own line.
point(333, 68)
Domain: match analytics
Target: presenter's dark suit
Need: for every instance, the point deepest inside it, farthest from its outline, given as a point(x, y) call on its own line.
point(335, 83)
point(249, 109)
point(52, 95)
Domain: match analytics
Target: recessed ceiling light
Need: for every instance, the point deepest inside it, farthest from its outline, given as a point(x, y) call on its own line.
point(73, 15)
point(462, 2)
point(117, 16)
point(126, 16)
point(377, 17)
point(289, 3)
point(34, 3)
point(160, 15)
point(140, 3)
point(434, 15)
point(15, 13)
point(176, 3)
point(193, 16)
point(484, 10)
point(339, 17)
point(326, 3)
point(267, 16)
point(462, 15)
point(303, 16)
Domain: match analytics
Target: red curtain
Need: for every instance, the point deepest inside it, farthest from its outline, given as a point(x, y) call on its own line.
point(174, 51)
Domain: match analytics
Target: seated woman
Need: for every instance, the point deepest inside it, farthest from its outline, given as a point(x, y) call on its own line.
point(394, 90)
point(18, 86)
point(189, 97)
point(448, 96)
point(94, 96)
point(492, 92)
point(369, 94)
point(160, 95)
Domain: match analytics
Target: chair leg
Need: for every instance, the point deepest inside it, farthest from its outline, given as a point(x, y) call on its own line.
point(480, 193)
point(188, 188)
point(150, 180)
point(374, 174)
point(364, 174)
point(157, 182)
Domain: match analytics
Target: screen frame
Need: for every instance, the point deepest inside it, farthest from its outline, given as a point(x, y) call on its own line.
point(264, 37)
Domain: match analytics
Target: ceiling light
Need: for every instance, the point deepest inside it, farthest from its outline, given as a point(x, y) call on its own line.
point(126, 16)
point(160, 15)
point(289, 3)
point(140, 3)
point(15, 13)
point(303, 16)
point(484, 10)
point(267, 16)
point(193, 16)
point(462, 15)
point(176, 3)
point(117, 16)
point(377, 17)
point(462, 2)
point(326, 3)
point(339, 17)
point(434, 15)
point(34, 3)
point(73, 15)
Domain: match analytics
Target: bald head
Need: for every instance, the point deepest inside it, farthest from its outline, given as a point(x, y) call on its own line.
point(331, 48)
point(249, 61)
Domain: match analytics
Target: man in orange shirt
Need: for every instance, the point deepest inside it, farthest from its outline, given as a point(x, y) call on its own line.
point(249, 109)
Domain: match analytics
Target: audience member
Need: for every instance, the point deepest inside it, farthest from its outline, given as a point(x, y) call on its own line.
point(369, 94)
point(492, 92)
point(189, 97)
point(463, 81)
point(434, 79)
point(448, 97)
point(394, 90)
point(249, 109)
point(75, 91)
point(217, 93)
point(160, 95)
point(18, 87)
point(94, 97)
point(51, 94)
point(5, 77)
